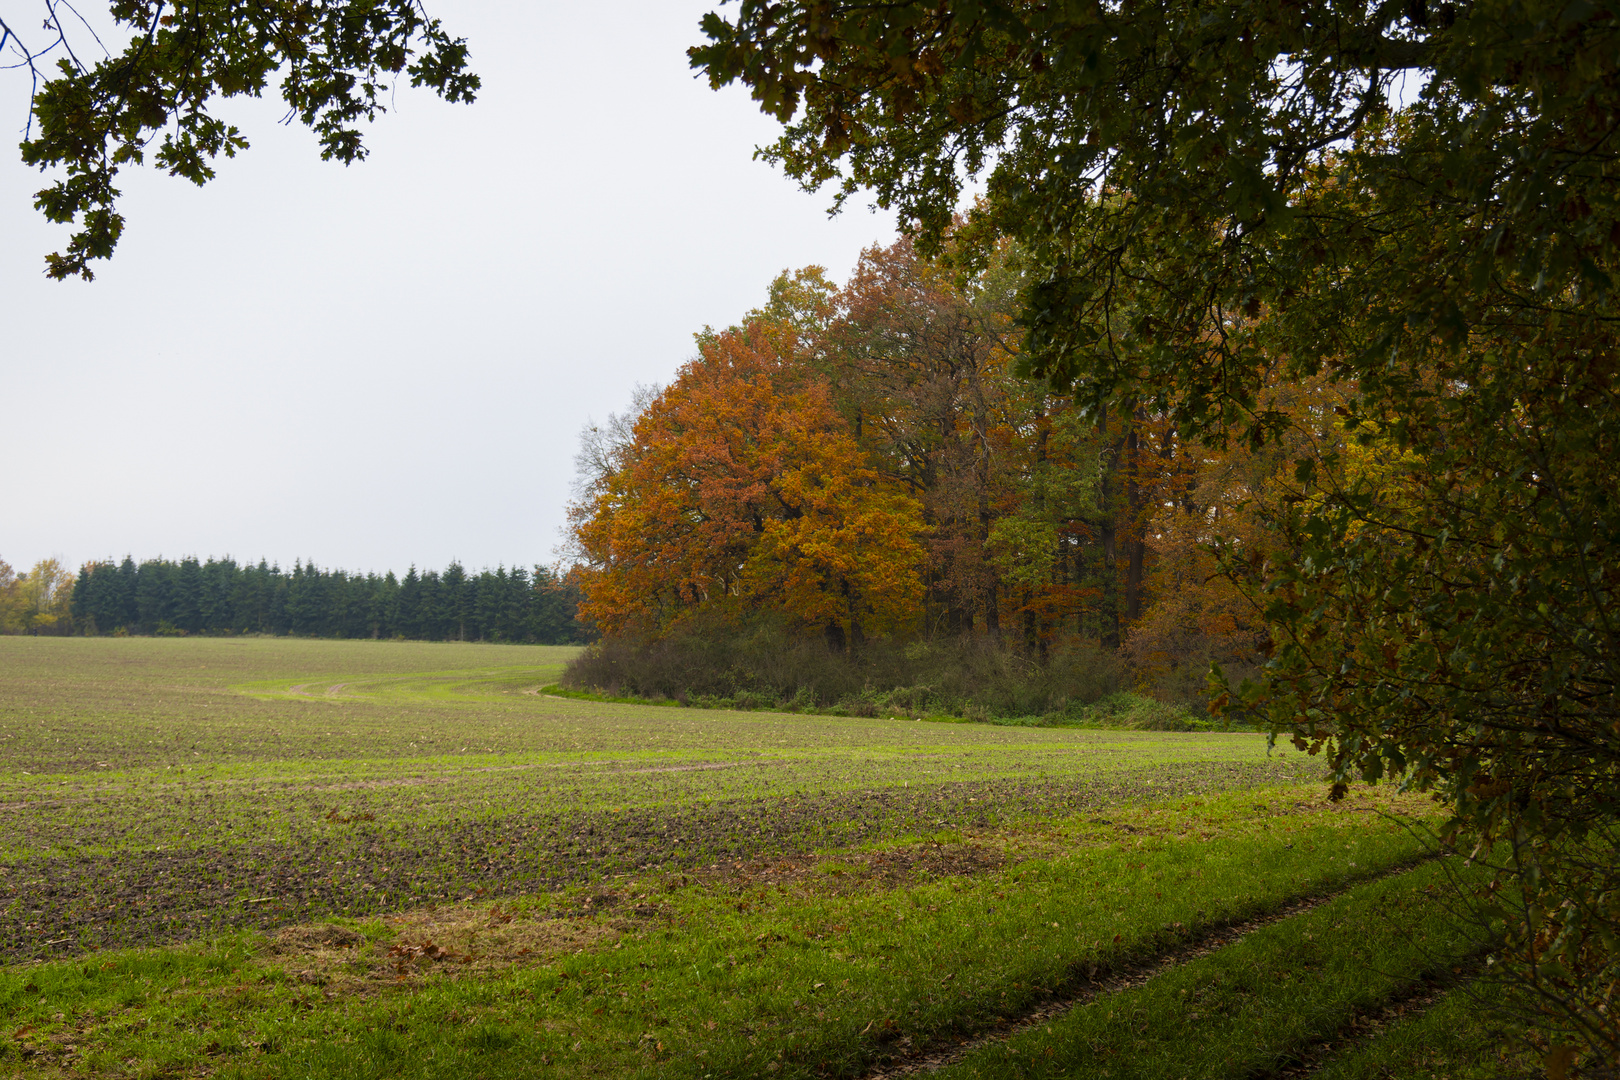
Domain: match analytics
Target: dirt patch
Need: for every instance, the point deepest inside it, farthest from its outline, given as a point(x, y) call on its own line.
point(905, 865)
point(497, 937)
point(301, 940)
point(455, 939)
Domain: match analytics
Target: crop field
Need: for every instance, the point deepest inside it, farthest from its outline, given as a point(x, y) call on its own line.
point(290, 858)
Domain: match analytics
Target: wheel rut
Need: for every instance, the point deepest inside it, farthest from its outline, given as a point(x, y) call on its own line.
point(1367, 1024)
point(1094, 982)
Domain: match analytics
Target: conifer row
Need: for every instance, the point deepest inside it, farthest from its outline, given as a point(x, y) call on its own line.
point(220, 596)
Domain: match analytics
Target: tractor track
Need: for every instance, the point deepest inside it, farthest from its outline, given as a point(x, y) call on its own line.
point(1083, 986)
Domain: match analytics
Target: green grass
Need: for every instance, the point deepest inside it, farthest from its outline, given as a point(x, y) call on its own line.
point(1256, 1006)
point(1454, 1039)
point(287, 858)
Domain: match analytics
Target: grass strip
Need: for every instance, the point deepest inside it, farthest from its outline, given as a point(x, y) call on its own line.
point(1257, 1006)
point(790, 980)
point(560, 691)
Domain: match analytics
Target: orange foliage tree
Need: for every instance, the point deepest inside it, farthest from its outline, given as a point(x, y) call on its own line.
point(918, 368)
point(743, 492)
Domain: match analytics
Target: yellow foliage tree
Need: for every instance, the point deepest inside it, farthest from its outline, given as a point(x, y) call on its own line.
point(11, 604)
point(37, 602)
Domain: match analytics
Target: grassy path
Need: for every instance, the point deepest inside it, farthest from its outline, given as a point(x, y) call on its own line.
point(1094, 984)
point(1256, 1006)
point(1450, 1034)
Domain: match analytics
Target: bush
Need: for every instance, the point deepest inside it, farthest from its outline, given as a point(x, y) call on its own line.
point(1142, 714)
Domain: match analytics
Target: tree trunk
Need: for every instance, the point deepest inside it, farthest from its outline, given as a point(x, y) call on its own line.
point(1135, 542)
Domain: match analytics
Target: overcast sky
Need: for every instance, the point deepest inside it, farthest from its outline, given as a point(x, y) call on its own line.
point(390, 363)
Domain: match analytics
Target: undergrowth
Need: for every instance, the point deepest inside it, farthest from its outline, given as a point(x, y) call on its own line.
point(1120, 710)
point(764, 669)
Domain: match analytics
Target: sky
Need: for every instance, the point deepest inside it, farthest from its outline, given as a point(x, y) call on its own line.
point(389, 364)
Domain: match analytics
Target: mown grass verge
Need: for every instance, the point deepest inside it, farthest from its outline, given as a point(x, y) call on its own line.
point(697, 975)
point(1455, 1038)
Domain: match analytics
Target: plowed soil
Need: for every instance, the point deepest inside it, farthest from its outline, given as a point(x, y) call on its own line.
point(152, 791)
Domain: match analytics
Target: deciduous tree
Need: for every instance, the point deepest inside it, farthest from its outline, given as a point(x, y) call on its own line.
point(1036, 512)
point(42, 598)
point(1204, 192)
point(11, 614)
point(744, 493)
point(336, 61)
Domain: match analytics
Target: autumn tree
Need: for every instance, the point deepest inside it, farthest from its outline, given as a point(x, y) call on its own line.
point(335, 61)
point(1211, 528)
point(744, 493)
point(1175, 172)
point(36, 602)
point(1036, 512)
point(918, 371)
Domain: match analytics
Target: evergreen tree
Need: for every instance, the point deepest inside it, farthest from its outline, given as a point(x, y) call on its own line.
point(221, 597)
point(455, 604)
point(408, 619)
point(186, 596)
point(122, 607)
point(154, 596)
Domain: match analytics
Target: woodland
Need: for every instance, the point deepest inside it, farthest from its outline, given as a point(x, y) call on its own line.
point(855, 482)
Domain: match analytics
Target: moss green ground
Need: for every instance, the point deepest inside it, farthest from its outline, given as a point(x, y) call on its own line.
point(292, 858)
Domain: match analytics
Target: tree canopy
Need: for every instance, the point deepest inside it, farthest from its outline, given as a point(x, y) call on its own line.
point(35, 602)
point(743, 489)
point(859, 463)
point(336, 59)
point(1414, 202)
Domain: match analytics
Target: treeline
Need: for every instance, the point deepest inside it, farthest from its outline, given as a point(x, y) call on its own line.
point(220, 596)
point(865, 467)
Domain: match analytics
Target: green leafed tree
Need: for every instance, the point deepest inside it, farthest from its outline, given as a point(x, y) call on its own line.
point(333, 60)
point(1419, 202)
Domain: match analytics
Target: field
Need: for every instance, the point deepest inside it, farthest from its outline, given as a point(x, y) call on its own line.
point(271, 857)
